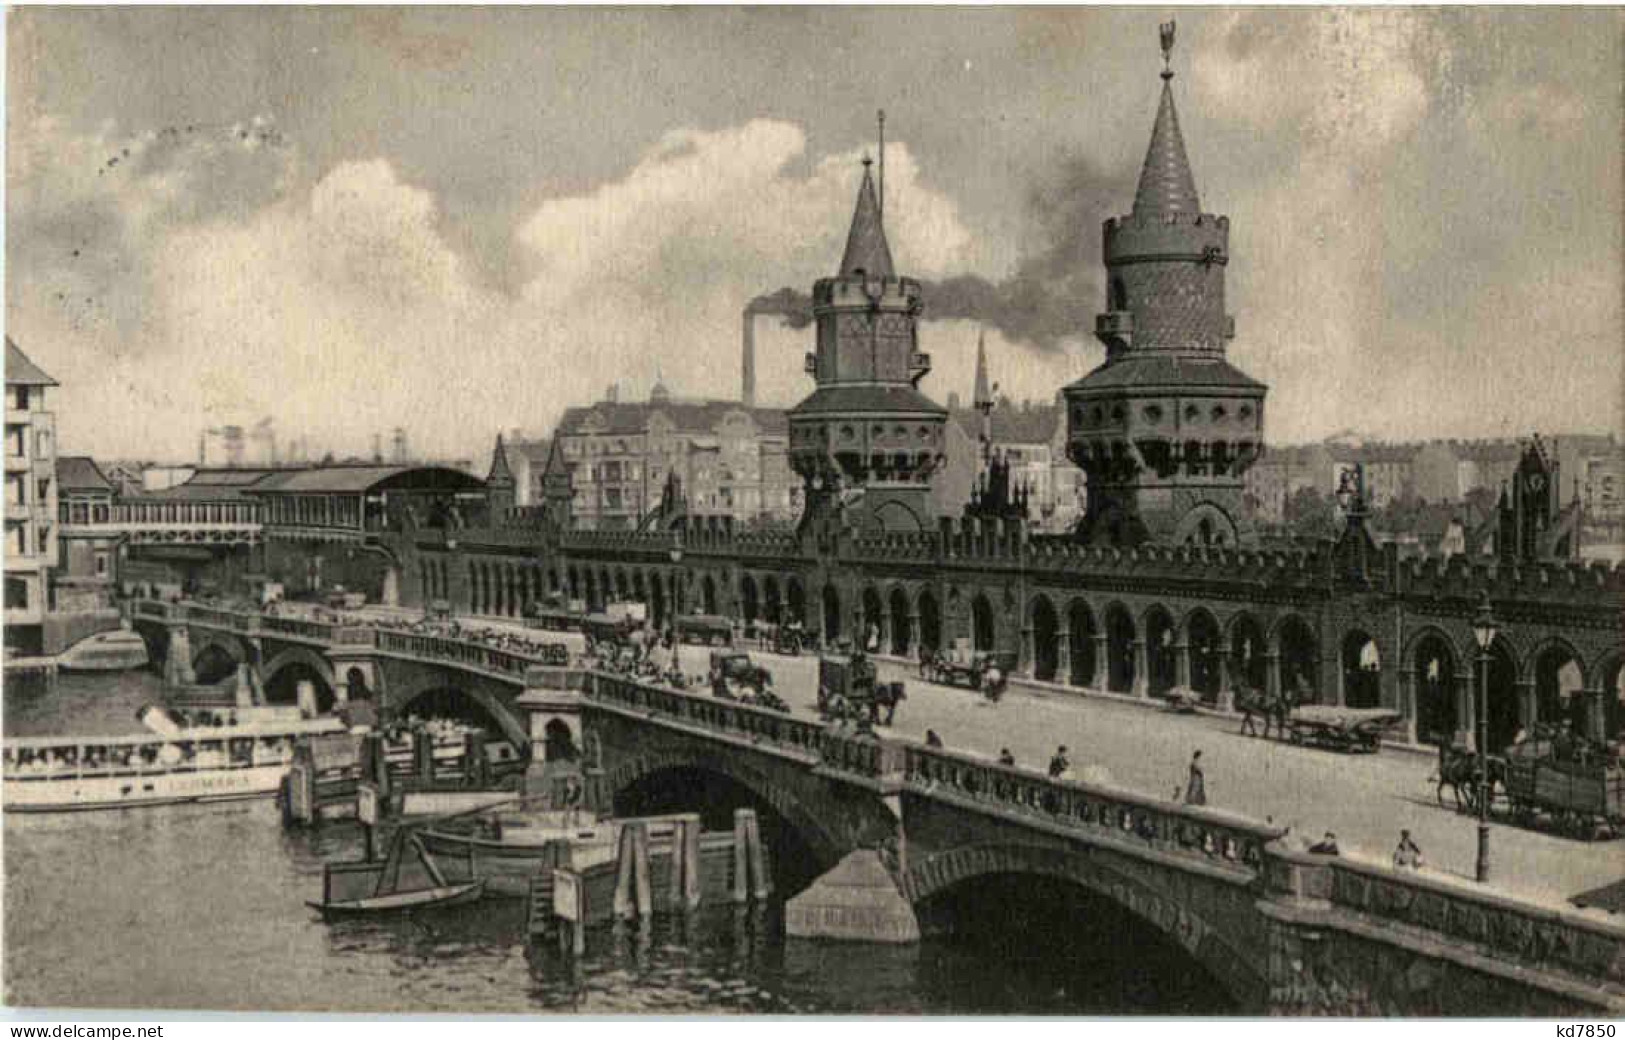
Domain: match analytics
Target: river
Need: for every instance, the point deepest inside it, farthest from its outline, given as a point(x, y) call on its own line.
point(202, 907)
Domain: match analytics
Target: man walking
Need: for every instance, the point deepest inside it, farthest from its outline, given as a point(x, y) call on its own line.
point(1059, 764)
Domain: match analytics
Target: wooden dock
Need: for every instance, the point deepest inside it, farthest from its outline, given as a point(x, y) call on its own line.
point(662, 865)
point(329, 770)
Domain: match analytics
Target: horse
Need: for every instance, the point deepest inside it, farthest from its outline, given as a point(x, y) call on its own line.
point(1458, 770)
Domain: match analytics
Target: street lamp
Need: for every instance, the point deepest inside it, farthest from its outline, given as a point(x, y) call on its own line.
point(1484, 625)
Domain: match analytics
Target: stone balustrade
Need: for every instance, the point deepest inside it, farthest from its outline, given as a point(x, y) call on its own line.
point(1524, 933)
point(761, 726)
point(1188, 831)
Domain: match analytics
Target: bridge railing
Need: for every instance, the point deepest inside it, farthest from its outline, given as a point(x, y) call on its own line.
point(1188, 831)
point(319, 630)
point(1528, 934)
point(151, 608)
point(507, 663)
point(759, 725)
point(217, 618)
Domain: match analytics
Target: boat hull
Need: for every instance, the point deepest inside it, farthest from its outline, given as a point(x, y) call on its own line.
point(506, 868)
point(131, 790)
point(108, 652)
point(395, 902)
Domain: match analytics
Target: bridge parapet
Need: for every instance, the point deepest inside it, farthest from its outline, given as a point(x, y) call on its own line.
point(506, 663)
point(320, 631)
point(214, 617)
point(785, 734)
point(1578, 956)
point(150, 608)
point(1192, 833)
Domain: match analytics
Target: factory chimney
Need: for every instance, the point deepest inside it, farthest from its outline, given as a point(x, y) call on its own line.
point(747, 382)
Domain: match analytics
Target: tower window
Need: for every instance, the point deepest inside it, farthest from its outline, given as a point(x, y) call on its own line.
point(1218, 413)
point(1153, 413)
point(1119, 296)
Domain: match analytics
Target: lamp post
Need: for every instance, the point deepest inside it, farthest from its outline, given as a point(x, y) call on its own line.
point(1484, 625)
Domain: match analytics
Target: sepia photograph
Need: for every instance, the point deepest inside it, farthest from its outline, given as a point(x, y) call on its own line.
point(889, 512)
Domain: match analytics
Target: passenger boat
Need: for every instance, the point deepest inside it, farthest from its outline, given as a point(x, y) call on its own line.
point(60, 774)
point(117, 651)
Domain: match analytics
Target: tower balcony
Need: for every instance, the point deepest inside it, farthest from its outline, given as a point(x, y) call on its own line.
point(918, 366)
point(1115, 329)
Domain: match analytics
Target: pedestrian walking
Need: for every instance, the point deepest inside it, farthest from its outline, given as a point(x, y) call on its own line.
point(1006, 758)
point(931, 738)
point(1196, 785)
point(1407, 855)
point(1059, 764)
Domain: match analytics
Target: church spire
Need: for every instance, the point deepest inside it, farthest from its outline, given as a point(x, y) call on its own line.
point(866, 248)
point(501, 474)
point(1166, 183)
point(982, 395)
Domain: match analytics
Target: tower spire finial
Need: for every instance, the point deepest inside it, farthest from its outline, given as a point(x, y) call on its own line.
point(1167, 29)
point(881, 116)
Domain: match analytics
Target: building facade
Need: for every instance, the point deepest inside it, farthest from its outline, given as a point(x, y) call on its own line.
point(731, 460)
point(31, 501)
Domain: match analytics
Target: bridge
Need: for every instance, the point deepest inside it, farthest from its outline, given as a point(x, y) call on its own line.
point(1276, 929)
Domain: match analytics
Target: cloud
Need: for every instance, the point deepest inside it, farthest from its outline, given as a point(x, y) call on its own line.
point(339, 305)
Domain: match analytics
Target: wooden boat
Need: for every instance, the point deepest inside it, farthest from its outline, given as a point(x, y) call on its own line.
point(505, 845)
point(406, 879)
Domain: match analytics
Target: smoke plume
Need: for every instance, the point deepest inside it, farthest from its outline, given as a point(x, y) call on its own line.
point(1056, 288)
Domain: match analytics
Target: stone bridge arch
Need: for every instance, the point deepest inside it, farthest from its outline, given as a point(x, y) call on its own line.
point(1241, 973)
point(403, 685)
point(210, 647)
point(298, 655)
point(810, 825)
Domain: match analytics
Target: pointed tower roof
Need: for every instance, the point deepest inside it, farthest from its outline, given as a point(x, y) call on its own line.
point(866, 248)
point(1166, 183)
point(983, 394)
point(500, 473)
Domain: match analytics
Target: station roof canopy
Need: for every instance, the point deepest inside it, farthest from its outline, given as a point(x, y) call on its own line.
point(80, 473)
point(356, 480)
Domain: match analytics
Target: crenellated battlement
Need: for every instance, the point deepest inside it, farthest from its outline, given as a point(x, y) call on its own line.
point(1166, 236)
point(1594, 584)
point(866, 292)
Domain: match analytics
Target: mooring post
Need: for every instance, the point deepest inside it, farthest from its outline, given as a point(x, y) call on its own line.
point(423, 755)
point(640, 864)
point(761, 883)
point(741, 879)
point(632, 891)
point(299, 801)
point(688, 839)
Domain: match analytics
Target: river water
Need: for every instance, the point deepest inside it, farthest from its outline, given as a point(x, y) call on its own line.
point(202, 907)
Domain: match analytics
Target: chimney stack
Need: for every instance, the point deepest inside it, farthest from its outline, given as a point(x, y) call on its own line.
point(747, 387)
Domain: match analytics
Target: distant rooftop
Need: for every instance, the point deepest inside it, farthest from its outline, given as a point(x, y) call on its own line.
point(21, 371)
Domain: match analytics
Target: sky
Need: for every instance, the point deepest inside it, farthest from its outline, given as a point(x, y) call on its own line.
point(465, 220)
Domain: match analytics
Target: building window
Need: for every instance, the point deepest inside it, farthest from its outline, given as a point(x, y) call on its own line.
point(16, 490)
point(101, 565)
point(15, 444)
point(16, 594)
point(17, 540)
point(42, 444)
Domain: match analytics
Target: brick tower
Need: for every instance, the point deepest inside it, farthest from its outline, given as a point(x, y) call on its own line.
point(866, 441)
point(1165, 428)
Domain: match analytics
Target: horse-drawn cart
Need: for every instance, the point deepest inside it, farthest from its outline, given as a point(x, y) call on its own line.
point(1578, 793)
point(1341, 729)
point(849, 690)
point(1578, 789)
point(705, 630)
point(960, 666)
